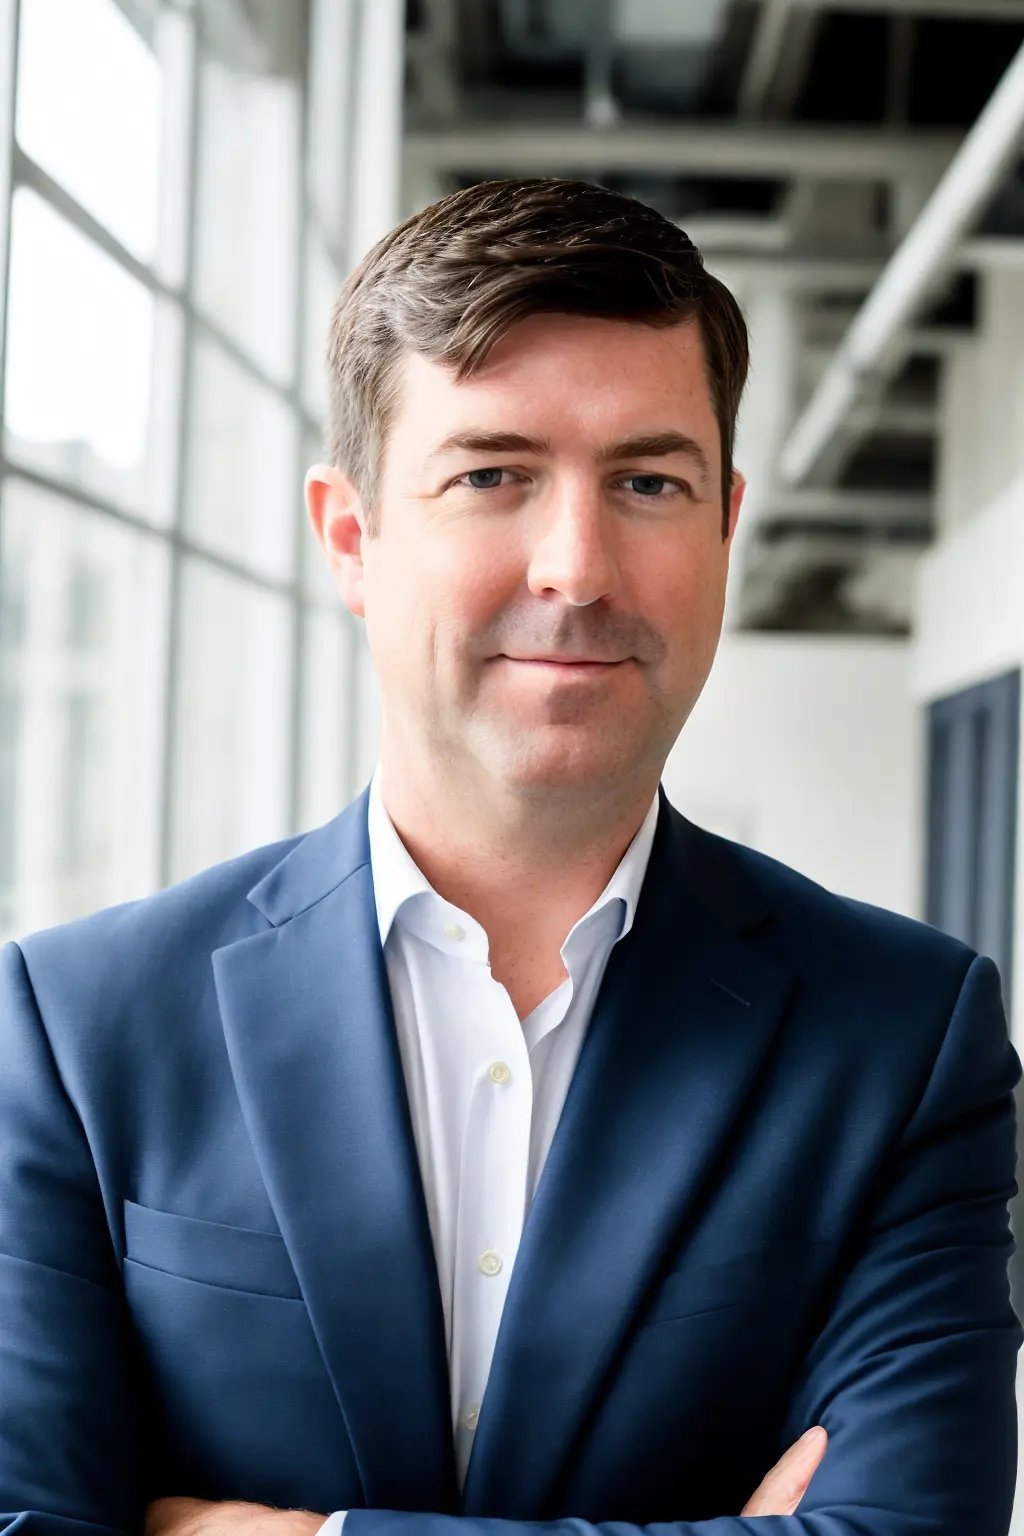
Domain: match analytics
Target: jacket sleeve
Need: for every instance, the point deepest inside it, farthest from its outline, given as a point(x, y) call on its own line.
point(69, 1452)
point(912, 1370)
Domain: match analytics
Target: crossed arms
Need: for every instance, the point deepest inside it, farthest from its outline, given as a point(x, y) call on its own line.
point(780, 1493)
point(912, 1374)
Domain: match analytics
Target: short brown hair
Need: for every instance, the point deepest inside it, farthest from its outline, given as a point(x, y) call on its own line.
point(452, 280)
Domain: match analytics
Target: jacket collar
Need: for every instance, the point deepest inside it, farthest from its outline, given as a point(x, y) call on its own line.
point(320, 862)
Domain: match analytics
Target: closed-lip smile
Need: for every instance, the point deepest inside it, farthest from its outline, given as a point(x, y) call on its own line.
point(566, 660)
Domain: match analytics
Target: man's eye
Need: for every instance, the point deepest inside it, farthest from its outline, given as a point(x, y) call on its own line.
point(484, 479)
point(647, 485)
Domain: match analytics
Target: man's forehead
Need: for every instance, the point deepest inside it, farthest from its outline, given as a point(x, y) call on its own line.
point(581, 373)
point(545, 340)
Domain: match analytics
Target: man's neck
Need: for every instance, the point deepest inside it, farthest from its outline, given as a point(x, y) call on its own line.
point(525, 870)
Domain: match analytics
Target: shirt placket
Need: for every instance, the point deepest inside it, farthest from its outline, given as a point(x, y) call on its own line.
point(492, 1198)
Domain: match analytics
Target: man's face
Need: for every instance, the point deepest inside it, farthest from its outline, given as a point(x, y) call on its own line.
point(544, 596)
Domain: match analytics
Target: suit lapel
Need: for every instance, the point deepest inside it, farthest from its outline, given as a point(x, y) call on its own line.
point(310, 1035)
point(685, 1017)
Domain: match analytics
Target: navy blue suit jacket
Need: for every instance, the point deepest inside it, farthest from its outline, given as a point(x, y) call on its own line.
point(776, 1198)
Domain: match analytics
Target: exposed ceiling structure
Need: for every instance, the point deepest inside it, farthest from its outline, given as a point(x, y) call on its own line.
point(805, 145)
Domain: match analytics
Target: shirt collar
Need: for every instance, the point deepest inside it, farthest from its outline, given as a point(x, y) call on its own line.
point(398, 879)
point(628, 878)
point(396, 875)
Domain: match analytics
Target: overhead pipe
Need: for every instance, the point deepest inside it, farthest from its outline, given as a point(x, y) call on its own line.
point(870, 349)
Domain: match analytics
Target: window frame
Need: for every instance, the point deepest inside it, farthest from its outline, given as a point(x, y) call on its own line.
point(17, 169)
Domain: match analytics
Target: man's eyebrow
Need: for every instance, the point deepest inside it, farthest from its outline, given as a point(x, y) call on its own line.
point(651, 446)
point(658, 445)
point(490, 442)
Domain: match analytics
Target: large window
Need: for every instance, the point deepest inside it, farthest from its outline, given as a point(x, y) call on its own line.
point(178, 681)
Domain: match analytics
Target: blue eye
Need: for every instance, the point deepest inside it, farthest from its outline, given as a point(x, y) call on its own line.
point(647, 485)
point(485, 479)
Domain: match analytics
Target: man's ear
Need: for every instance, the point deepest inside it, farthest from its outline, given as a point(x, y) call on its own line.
point(737, 491)
point(339, 522)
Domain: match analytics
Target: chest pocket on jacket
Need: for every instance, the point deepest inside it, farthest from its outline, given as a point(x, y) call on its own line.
point(246, 1407)
point(233, 1257)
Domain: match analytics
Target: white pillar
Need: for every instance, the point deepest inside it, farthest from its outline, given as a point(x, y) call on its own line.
point(377, 146)
point(8, 58)
point(376, 170)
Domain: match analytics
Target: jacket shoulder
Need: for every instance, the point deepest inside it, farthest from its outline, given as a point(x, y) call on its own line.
point(149, 943)
point(822, 932)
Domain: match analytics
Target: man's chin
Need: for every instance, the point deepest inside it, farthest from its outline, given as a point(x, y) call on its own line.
point(588, 773)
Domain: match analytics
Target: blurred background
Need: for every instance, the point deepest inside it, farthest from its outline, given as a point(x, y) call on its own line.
point(183, 185)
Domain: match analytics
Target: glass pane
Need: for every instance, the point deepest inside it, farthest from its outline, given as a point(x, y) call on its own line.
point(322, 283)
point(327, 678)
point(91, 391)
point(248, 193)
point(243, 487)
point(82, 633)
point(8, 23)
point(90, 105)
point(233, 719)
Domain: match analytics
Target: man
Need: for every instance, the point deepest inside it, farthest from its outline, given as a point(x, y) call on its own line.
point(510, 1151)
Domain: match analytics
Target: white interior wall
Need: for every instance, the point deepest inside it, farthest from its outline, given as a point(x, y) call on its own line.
point(808, 748)
point(981, 442)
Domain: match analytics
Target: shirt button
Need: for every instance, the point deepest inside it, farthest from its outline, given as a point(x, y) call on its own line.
point(471, 1417)
point(499, 1072)
point(489, 1262)
point(454, 931)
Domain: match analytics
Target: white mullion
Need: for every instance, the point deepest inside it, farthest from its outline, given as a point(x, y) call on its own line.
point(9, 13)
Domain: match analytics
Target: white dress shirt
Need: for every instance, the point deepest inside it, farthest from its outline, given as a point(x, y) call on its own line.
point(485, 1089)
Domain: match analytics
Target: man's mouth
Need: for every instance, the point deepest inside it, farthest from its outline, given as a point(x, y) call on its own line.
point(568, 659)
point(567, 664)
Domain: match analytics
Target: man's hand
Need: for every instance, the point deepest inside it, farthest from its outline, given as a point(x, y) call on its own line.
point(779, 1494)
point(786, 1483)
point(203, 1517)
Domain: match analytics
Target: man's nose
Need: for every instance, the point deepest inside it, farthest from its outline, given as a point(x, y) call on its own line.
point(574, 554)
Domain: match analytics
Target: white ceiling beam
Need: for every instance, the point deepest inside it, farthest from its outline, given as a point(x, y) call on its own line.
point(925, 341)
point(554, 148)
point(963, 10)
point(1001, 253)
point(935, 340)
point(809, 274)
point(737, 232)
point(875, 508)
point(898, 418)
